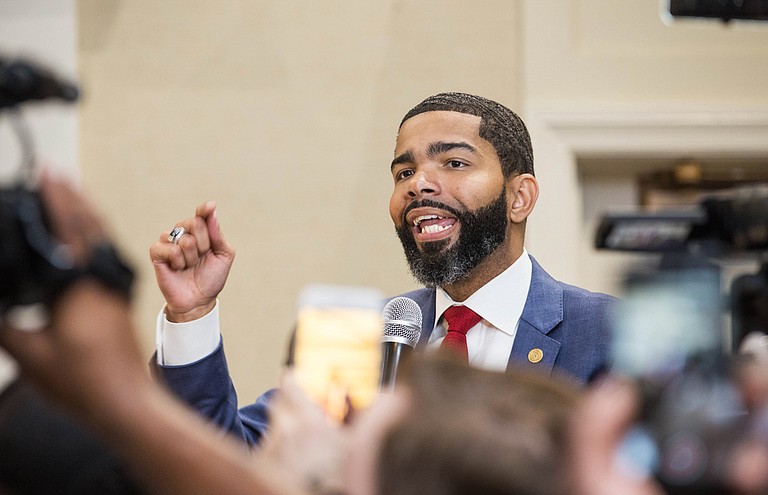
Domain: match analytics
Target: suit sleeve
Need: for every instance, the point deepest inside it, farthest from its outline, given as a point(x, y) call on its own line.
point(207, 387)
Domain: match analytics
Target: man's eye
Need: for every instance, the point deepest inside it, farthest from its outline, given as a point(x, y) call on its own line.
point(403, 174)
point(456, 164)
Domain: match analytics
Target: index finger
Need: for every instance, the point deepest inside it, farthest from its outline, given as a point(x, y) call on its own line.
point(206, 209)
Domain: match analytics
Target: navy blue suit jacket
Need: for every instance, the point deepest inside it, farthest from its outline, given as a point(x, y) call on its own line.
point(570, 327)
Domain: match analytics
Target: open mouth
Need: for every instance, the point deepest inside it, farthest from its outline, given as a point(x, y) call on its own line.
point(430, 220)
point(427, 227)
point(432, 224)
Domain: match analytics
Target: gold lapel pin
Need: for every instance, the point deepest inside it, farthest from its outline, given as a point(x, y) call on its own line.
point(535, 355)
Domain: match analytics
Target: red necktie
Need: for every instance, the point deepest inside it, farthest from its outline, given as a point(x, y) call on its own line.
point(460, 319)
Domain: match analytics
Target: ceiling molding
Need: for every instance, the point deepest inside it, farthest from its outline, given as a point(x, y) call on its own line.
point(702, 133)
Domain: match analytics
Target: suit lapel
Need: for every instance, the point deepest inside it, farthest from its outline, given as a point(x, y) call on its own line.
point(543, 311)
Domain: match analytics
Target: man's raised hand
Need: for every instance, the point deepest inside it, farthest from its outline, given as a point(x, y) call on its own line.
point(192, 269)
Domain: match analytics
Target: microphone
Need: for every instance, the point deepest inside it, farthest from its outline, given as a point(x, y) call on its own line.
point(402, 329)
point(22, 80)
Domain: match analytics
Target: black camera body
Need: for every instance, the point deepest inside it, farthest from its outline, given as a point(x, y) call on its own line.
point(722, 223)
point(669, 334)
point(33, 265)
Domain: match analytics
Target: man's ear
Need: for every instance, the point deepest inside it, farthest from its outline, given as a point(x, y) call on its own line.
point(523, 191)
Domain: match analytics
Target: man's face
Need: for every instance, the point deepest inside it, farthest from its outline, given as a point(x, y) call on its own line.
point(449, 204)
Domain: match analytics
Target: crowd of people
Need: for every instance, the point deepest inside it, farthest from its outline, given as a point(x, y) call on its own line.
point(511, 390)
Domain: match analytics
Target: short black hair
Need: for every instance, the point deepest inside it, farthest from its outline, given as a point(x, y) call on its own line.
point(499, 125)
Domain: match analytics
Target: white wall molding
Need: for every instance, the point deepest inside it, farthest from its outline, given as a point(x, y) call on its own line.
point(556, 233)
point(665, 132)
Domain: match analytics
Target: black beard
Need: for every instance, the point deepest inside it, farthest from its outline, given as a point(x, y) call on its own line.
point(437, 265)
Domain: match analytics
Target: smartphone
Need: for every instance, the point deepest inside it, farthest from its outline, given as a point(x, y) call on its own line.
point(337, 348)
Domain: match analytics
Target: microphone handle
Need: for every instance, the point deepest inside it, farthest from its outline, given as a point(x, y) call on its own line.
point(393, 353)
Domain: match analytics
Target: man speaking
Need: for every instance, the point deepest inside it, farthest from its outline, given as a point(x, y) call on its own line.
point(464, 187)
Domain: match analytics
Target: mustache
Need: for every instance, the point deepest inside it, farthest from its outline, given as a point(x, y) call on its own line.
point(428, 203)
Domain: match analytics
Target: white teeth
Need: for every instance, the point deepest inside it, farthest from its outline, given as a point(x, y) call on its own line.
point(419, 219)
point(433, 229)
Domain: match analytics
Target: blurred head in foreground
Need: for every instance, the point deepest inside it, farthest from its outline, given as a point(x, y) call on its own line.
point(452, 430)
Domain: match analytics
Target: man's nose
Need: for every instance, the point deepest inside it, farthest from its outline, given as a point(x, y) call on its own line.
point(423, 183)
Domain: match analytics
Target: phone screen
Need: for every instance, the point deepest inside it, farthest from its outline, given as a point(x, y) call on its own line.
point(337, 354)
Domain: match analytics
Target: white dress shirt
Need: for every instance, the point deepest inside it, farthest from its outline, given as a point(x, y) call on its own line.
point(185, 343)
point(500, 303)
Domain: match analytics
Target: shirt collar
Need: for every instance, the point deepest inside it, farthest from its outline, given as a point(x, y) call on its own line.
point(501, 301)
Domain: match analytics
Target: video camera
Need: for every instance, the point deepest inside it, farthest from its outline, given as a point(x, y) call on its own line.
point(34, 266)
point(721, 223)
point(670, 332)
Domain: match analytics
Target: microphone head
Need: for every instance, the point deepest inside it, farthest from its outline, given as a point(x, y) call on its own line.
point(402, 321)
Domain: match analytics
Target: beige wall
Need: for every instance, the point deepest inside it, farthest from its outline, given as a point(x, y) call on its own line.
point(621, 54)
point(286, 114)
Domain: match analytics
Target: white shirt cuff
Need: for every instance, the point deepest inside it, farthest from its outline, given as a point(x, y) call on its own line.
point(179, 344)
